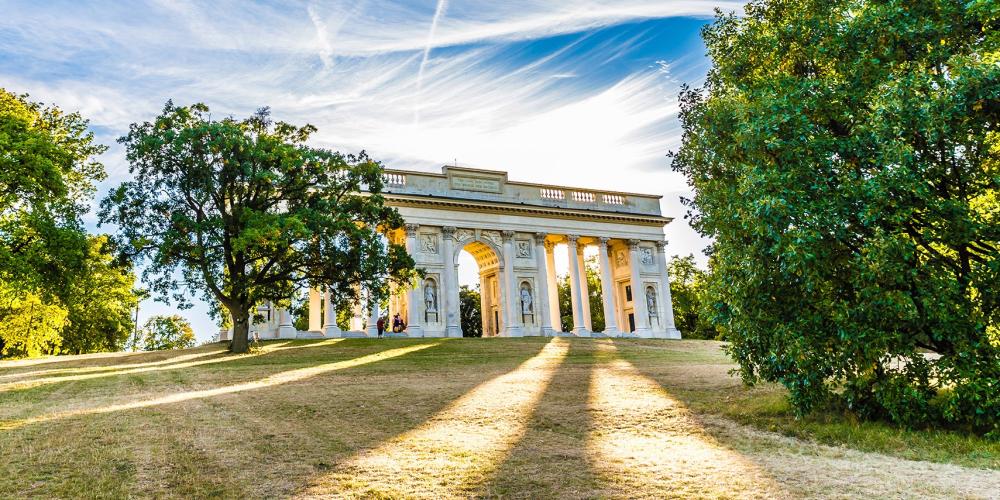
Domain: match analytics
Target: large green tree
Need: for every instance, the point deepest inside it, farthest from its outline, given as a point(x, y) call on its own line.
point(846, 160)
point(48, 168)
point(243, 211)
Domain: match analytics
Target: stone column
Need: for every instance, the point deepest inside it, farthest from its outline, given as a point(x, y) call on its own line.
point(579, 327)
point(373, 315)
point(607, 290)
point(286, 329)
point(666, 301)
point(315, 310)
point(584, 288)
point(414, 299)
point(550, 277)
point(642, 328)
point(511, 293)
point(330, 328)
point(542, 293)
point(358, 318)
point(453, 321)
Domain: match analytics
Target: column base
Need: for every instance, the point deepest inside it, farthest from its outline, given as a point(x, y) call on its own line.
point(581, 332)
point(372, 331)
point(612, 332)
point(673, 333)
point(332, 332)
point(414, 331)
point(547, 331)
point(453, 332)
point(354, 334)
point(643, 333)
point(287, 332)
point(512, 331)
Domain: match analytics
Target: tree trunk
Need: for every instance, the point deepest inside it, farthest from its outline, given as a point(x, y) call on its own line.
point(241, 330)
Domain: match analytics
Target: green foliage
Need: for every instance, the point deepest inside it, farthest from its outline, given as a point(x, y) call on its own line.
point(846, 161)
point(690, 298)
point(161, 333)
point(243, 212)
point(593, 292)
point(470, 309)
point(30, 326)
point(100, 300)
point(59, 292)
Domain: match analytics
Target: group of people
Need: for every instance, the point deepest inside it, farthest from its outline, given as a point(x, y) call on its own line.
point(397, 324)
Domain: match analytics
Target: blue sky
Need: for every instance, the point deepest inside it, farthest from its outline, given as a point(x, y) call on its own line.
point(575, 93)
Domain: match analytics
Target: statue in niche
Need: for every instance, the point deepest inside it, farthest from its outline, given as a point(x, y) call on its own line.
point(647, 256)
point(523, 249)
point(525, 299)
point(428, 243)
point(651, 301)
point(430, 296)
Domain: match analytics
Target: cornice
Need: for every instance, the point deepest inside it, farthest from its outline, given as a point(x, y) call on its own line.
point(523, 209)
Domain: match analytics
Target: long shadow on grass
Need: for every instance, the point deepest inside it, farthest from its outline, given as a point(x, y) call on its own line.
point(646, 442)
point(458, 445)
point(280, 378)
point(180, 442)
point(550, 460)
point(182, 361)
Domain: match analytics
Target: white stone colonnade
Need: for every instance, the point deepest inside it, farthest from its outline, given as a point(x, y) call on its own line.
point(512, 230)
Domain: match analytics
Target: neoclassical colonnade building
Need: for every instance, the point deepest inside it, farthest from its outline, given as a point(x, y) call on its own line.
point(511, 229)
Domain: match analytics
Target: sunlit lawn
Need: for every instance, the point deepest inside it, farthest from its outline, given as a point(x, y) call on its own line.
point(435, 418)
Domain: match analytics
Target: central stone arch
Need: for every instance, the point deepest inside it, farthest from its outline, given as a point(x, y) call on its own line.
point(488, 257)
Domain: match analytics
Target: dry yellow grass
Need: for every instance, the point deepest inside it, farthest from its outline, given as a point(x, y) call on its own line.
point(511, 418)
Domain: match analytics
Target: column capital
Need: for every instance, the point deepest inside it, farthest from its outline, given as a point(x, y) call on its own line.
point(411, 229)
point(549, 245)
point(507, 235)
point(603, 241)
point(449, 232)
point(572, 238)
point(540, 237)
point(633, 244)
point(660, 245)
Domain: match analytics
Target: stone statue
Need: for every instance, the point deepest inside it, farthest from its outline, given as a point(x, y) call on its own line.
point(525, 300)
point(430, 296)
point(651, 301)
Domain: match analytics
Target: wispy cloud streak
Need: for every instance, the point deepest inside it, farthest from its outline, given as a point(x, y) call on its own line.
point(438, 12)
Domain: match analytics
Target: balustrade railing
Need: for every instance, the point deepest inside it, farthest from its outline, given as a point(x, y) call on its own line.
point(392, 179)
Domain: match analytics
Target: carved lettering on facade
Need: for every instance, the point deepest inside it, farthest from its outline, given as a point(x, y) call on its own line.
point(475, 184)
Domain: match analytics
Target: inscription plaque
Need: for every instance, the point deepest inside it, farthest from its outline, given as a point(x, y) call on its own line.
point(475, 184)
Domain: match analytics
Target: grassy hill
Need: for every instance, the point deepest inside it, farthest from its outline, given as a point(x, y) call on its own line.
point(448, 418)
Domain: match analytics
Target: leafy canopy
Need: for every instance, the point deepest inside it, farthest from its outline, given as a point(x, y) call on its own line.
point(167, 332)
point(243, 211)
point(846, 160)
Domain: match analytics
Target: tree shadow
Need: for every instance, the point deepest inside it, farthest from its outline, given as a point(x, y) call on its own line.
point(268, 442)
point(550, 460)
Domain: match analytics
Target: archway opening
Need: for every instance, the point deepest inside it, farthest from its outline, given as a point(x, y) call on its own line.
point(480, 300)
